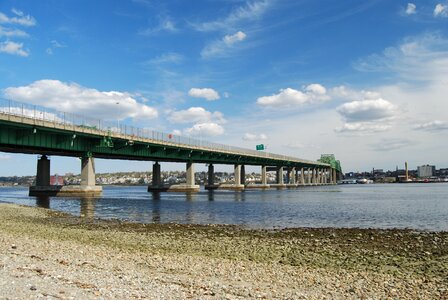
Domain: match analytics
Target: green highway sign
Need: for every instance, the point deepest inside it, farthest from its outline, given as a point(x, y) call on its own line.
point(259, 147)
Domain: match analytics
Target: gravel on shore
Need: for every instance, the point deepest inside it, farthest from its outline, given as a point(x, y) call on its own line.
point(51, 255)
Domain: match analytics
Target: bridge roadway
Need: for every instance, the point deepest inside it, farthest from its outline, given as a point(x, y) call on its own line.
point(29, 129)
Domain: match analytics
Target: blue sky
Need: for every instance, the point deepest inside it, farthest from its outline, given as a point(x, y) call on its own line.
point(365, 80)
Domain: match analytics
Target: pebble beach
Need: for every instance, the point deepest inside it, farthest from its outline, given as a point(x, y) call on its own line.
point(47, 254)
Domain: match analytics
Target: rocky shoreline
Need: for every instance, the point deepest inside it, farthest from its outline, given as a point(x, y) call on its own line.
point(48, 254)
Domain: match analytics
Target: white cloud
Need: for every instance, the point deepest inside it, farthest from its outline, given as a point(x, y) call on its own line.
point(234, 38)
point(366, 116)
point(224, 46)
point(363, 127)
point(79, 100)
point(423, 58)
point(367, 110)
point(346, 93)
point(435, 125)
point(316, 89)
point(54, 44)
point(411, 9)
point(300, 146)
point(206, 93)
point(255, 137)
point(441, 10)
point(391, 144)
point(205, 129)
point(252, 10)
point(195, 115)
point(20, 19)
point(289, 97)
point(165, 25)
point(13, 48)
point(177, 132)
point(166, 58)
point(7, 32)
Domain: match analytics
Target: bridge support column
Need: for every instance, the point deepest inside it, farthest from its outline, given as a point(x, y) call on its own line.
point(237, 186)
point(335, 179)
point(87, 187)
point(243, 175)
point(302, 176)
point(156, 182)
point(291, 178)
point(264, 181)
point(211, 178)
point(279, 179)
point(190, 185)
point(87, 171)
point(314, 177)
point(43, 171)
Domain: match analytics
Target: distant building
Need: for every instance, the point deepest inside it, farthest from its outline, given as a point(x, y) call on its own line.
point(56, 180)
point(426, 171)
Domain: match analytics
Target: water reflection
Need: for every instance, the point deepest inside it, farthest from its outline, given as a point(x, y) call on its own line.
point(87, 207)
point(414, 206)
point(43, 201)
point(190, 196)
point(211, 195)
point(155, 207)
point(240, 196)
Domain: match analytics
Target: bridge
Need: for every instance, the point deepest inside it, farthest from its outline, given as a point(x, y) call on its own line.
point(31, 129)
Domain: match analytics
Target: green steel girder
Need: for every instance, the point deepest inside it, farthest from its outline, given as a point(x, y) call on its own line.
point(24, 138)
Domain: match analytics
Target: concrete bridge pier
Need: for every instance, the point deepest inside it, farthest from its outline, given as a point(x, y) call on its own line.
point(156, 182)
point(242, 175)
point(280, 184)
point(264, 181)
point(210, 185)
point(314, 176)
point(236, 186)
point(302, 177)
point(190, 185)
point(43, 171)
point(86, 188)
point(291, 178)
point(42, 187)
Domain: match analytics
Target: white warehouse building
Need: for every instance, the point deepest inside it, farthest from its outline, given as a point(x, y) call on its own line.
point(426, 171)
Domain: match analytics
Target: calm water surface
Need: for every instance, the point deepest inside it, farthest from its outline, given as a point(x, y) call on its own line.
point(417, 206)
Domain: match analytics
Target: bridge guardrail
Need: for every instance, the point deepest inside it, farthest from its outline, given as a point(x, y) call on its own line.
point(30, 111)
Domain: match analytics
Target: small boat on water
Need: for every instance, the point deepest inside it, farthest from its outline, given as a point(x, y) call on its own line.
point(364, 181)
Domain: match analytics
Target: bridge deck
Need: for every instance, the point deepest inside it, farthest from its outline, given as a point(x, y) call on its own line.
point(65, 125)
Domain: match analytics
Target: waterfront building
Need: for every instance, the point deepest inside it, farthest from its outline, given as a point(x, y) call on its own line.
point(426, 171)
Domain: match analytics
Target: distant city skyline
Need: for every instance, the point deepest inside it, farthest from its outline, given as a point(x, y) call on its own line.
point(366, 81)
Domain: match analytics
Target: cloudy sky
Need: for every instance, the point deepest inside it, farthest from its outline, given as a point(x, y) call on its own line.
point(365, 80)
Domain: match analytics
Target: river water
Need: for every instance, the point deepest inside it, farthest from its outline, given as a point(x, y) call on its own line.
point(416, 206)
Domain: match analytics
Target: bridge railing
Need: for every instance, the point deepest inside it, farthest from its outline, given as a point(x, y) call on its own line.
point(14, 108)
